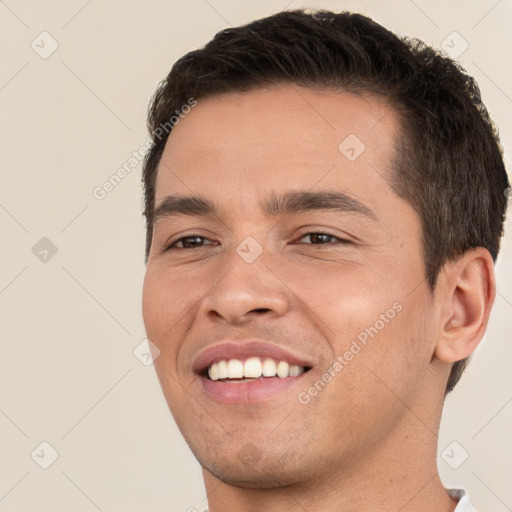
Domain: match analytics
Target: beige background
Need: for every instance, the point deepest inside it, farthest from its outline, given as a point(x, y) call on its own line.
point(70, 324)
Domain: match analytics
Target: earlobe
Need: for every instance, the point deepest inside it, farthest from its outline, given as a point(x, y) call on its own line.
point(469, 294)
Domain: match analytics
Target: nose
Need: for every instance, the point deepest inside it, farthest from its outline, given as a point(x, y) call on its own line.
point(245, 291)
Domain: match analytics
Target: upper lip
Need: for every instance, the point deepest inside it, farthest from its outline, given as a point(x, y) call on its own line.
point(243, 349)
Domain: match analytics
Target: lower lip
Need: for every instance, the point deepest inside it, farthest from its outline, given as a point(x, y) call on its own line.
point(249, 392)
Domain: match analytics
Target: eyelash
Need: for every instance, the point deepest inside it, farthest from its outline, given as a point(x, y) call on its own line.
point(172, 245)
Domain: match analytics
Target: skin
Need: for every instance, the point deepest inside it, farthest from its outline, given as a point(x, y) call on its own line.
point(367, 441)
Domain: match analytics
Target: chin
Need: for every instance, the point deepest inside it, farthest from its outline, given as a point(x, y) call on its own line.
point(268, 476)
point(249, 468)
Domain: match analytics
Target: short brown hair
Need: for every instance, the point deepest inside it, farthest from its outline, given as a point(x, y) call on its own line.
point(449, 164)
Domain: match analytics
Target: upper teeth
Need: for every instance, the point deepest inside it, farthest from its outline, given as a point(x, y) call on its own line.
point(252, 368)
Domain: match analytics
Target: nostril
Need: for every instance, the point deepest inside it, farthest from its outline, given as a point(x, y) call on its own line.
point(260, 310)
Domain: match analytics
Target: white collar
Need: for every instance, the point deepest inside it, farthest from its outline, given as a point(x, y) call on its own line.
point(464, 505)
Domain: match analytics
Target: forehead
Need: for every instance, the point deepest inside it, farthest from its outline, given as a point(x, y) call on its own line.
point(281, 137)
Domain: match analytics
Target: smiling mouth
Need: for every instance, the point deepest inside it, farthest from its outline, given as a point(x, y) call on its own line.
point(252, 368)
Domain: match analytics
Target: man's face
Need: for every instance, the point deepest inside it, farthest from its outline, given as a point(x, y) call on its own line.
point(309, 258)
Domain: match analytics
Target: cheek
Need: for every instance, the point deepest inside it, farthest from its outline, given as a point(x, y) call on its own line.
point(373, 320)
point(170, 301)
point(161, 320)
point(160, 315)
point(164, 298)
point(152, 304)
point(347, 297)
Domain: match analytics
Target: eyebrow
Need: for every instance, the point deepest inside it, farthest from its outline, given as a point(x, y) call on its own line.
point(298, 202)
point(287, 203)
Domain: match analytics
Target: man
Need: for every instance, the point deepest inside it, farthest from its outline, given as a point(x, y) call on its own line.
point(324, 206)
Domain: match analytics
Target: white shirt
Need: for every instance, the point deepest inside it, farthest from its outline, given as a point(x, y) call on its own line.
point(464, 504)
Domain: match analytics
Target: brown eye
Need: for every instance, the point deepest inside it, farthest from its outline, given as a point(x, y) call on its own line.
point(322, 238)
point(188, 242)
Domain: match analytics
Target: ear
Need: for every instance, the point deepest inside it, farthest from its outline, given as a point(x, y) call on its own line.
point(468, 292)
